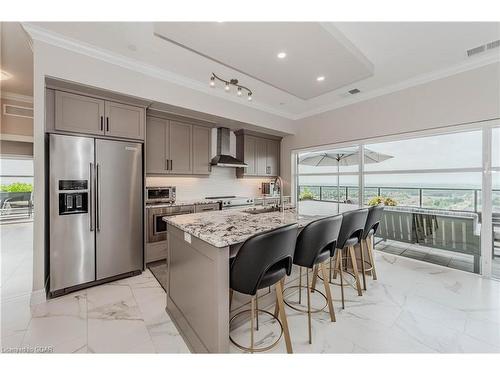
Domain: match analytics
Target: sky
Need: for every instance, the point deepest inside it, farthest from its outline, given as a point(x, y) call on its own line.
point(458, 150)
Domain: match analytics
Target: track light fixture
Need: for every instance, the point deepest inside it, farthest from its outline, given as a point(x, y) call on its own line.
point(228, 84)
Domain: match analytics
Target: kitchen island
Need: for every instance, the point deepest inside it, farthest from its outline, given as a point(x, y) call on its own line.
point(199, 249)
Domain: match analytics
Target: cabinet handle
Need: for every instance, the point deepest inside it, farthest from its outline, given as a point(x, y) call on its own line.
point(166, 162)
point(171, 164)
point(102, 123)
point(107, 124)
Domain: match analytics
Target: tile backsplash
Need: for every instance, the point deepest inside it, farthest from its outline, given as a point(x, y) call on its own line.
point(222, 181)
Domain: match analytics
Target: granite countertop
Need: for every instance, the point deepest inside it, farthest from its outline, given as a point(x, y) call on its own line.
point(230, 227)
point(188, 202)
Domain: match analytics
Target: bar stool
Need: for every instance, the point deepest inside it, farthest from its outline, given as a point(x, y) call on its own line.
point(264, 260)
point(371, 226)
point(351, 232)
point(315, 245)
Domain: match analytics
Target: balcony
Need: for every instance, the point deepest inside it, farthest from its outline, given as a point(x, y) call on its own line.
point(440, 200)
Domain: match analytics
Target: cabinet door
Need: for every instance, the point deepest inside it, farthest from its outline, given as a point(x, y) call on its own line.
point(273, 157)
point(156, 143)
point(124, 121)
point(250, 155)
point(78, 113)
point(179, 147)
point(201, 149)
point(261, 156)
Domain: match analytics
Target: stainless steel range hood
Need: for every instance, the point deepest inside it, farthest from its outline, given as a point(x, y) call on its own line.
point(223, 158)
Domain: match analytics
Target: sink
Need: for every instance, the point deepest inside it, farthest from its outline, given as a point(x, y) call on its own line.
point(261, 210)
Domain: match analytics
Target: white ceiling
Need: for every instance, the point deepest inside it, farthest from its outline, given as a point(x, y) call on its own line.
point(252, 48)
point(16, 59)
point(402, 54)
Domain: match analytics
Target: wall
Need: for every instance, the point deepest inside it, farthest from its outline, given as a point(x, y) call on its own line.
point(56, 62)
point(462, 98)
point(15, 126)
point(222, 181)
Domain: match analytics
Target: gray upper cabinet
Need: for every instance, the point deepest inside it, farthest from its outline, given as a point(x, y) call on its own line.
point(179, 142)
point(201, 149)
point(261, 154)
point(88, 115)
point(175, 147)
point(77, 113)
point(124, 121)
point(156, 145)
point(249, 154)
point(272, 157)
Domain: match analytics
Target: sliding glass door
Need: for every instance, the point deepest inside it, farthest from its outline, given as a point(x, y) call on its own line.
point(495, 201)
point(433, 186)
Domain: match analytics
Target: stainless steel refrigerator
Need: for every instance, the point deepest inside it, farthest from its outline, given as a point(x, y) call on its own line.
point(96, 210)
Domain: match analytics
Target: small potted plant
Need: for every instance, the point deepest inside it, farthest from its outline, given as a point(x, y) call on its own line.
point(386, 201)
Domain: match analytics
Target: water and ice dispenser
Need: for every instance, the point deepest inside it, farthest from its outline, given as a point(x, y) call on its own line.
point(73, 197)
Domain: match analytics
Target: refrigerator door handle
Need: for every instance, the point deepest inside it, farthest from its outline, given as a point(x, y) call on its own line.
point(91, 194)
point(97, 199)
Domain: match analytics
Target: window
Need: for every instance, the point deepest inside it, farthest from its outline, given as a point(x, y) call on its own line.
point(441, 172)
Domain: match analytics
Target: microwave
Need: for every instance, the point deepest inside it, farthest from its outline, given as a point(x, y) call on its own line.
point(165, 194)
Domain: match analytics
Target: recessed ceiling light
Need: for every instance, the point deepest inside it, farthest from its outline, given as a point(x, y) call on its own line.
point(4, 75)
point(320, 78)
point(281, 55)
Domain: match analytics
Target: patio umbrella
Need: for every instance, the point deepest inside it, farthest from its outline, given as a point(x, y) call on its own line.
point(341, 157)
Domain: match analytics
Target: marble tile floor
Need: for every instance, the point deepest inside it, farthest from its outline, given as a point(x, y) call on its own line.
point(414, 307)
point(125, 316)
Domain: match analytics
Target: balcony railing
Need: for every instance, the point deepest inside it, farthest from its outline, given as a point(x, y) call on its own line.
point(439, 198)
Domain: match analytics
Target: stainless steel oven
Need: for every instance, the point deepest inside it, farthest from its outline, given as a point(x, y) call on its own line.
point(157, 228)
point(165, 194)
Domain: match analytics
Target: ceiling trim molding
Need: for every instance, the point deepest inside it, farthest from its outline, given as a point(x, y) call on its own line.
point(16, 97)
point(58, 40)
point(412, 82)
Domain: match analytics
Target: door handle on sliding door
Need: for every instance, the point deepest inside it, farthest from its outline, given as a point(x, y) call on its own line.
point(91, 194)
point(97, 198)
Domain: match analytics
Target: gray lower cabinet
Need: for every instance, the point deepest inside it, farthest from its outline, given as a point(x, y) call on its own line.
point(261, 154)
point(179, 148)
point(87, 115)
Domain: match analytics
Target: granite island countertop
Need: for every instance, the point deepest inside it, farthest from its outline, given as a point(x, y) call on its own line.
point(230, 227)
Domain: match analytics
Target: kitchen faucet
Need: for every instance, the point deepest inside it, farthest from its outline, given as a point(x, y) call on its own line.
point(279, 180)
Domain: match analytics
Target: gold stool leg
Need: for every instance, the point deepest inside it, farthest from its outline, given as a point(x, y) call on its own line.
point(341, 265)
point(336, 266)
point(328, 293)
point(309, 308)
point(369, 242)
point(300, 285)
point(363, 273)
point(252, 315)
point(355, 269)
point(284, 322)
point(257, 310)
point(315, 278)
point(330, 270)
